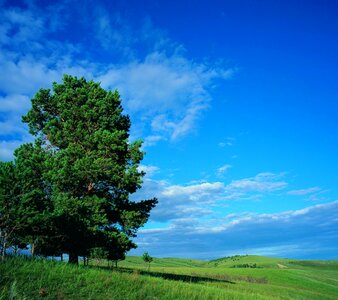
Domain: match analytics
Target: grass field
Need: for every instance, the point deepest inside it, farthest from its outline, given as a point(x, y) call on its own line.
point(238, 277)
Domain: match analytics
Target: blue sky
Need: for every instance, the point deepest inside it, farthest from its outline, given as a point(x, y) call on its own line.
point(236, 102)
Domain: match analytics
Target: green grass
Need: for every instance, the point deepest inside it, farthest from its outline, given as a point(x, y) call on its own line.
point(171, 278)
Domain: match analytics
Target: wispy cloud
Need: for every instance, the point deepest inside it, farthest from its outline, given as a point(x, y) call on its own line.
point(20, 26)
point(223, 169)
point(164, 91)
point(149, 170)
point(312, 194)
point(262, 182)
point(169, 92)
point(151, 140)
point(110, 29)
point(303, 192)
point(229, 141)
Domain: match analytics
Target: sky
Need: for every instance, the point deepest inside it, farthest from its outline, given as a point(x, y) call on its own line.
point(236, 102)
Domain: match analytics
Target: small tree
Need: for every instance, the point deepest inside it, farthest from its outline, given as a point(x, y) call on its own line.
point(147, 259)
point(117, 244)
point(99, 254)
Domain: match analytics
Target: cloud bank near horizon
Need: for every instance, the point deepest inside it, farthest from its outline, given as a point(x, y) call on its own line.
point(293, 234)
point(193, 220)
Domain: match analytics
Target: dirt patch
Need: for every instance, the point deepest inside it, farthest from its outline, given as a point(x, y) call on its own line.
point(280, 266)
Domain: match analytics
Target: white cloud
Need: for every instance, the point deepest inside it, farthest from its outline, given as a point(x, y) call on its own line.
point(7, 149)
point(24, 76)
point(14, 103)
point(178, 201)
point(193, 191)
point(202, 198)
point(12, 127)
point(12, 107)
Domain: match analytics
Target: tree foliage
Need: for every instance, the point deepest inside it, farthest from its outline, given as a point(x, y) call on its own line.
point(75, 181)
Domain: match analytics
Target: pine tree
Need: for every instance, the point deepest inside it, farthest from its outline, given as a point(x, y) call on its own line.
point(91, 166)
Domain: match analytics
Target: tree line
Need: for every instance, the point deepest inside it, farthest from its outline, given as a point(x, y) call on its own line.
point(69, 191)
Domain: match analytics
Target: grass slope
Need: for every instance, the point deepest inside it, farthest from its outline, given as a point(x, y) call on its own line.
point(171, 278)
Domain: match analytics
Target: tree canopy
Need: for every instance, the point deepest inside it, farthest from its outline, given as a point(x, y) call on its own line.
point(75, 181)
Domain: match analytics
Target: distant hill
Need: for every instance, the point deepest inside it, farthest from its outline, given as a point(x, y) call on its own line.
point(237, 261)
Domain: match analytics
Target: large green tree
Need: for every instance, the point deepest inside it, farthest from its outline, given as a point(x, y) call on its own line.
point(9, 225)
point(34, 209)
point(91, 166)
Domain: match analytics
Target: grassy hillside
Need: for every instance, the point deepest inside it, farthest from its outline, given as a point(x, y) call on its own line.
point(136, 261)
point(240, 277)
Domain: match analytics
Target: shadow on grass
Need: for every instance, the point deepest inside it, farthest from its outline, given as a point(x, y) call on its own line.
point(170, 276)
point(182, 277)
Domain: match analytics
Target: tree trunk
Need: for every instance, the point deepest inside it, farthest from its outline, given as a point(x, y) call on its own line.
point(3, 252)
point(61, 257)
point(33, 249)
point(3, 249)
point(73, 258)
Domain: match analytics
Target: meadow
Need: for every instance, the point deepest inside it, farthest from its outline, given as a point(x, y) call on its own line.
point(237, 277)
